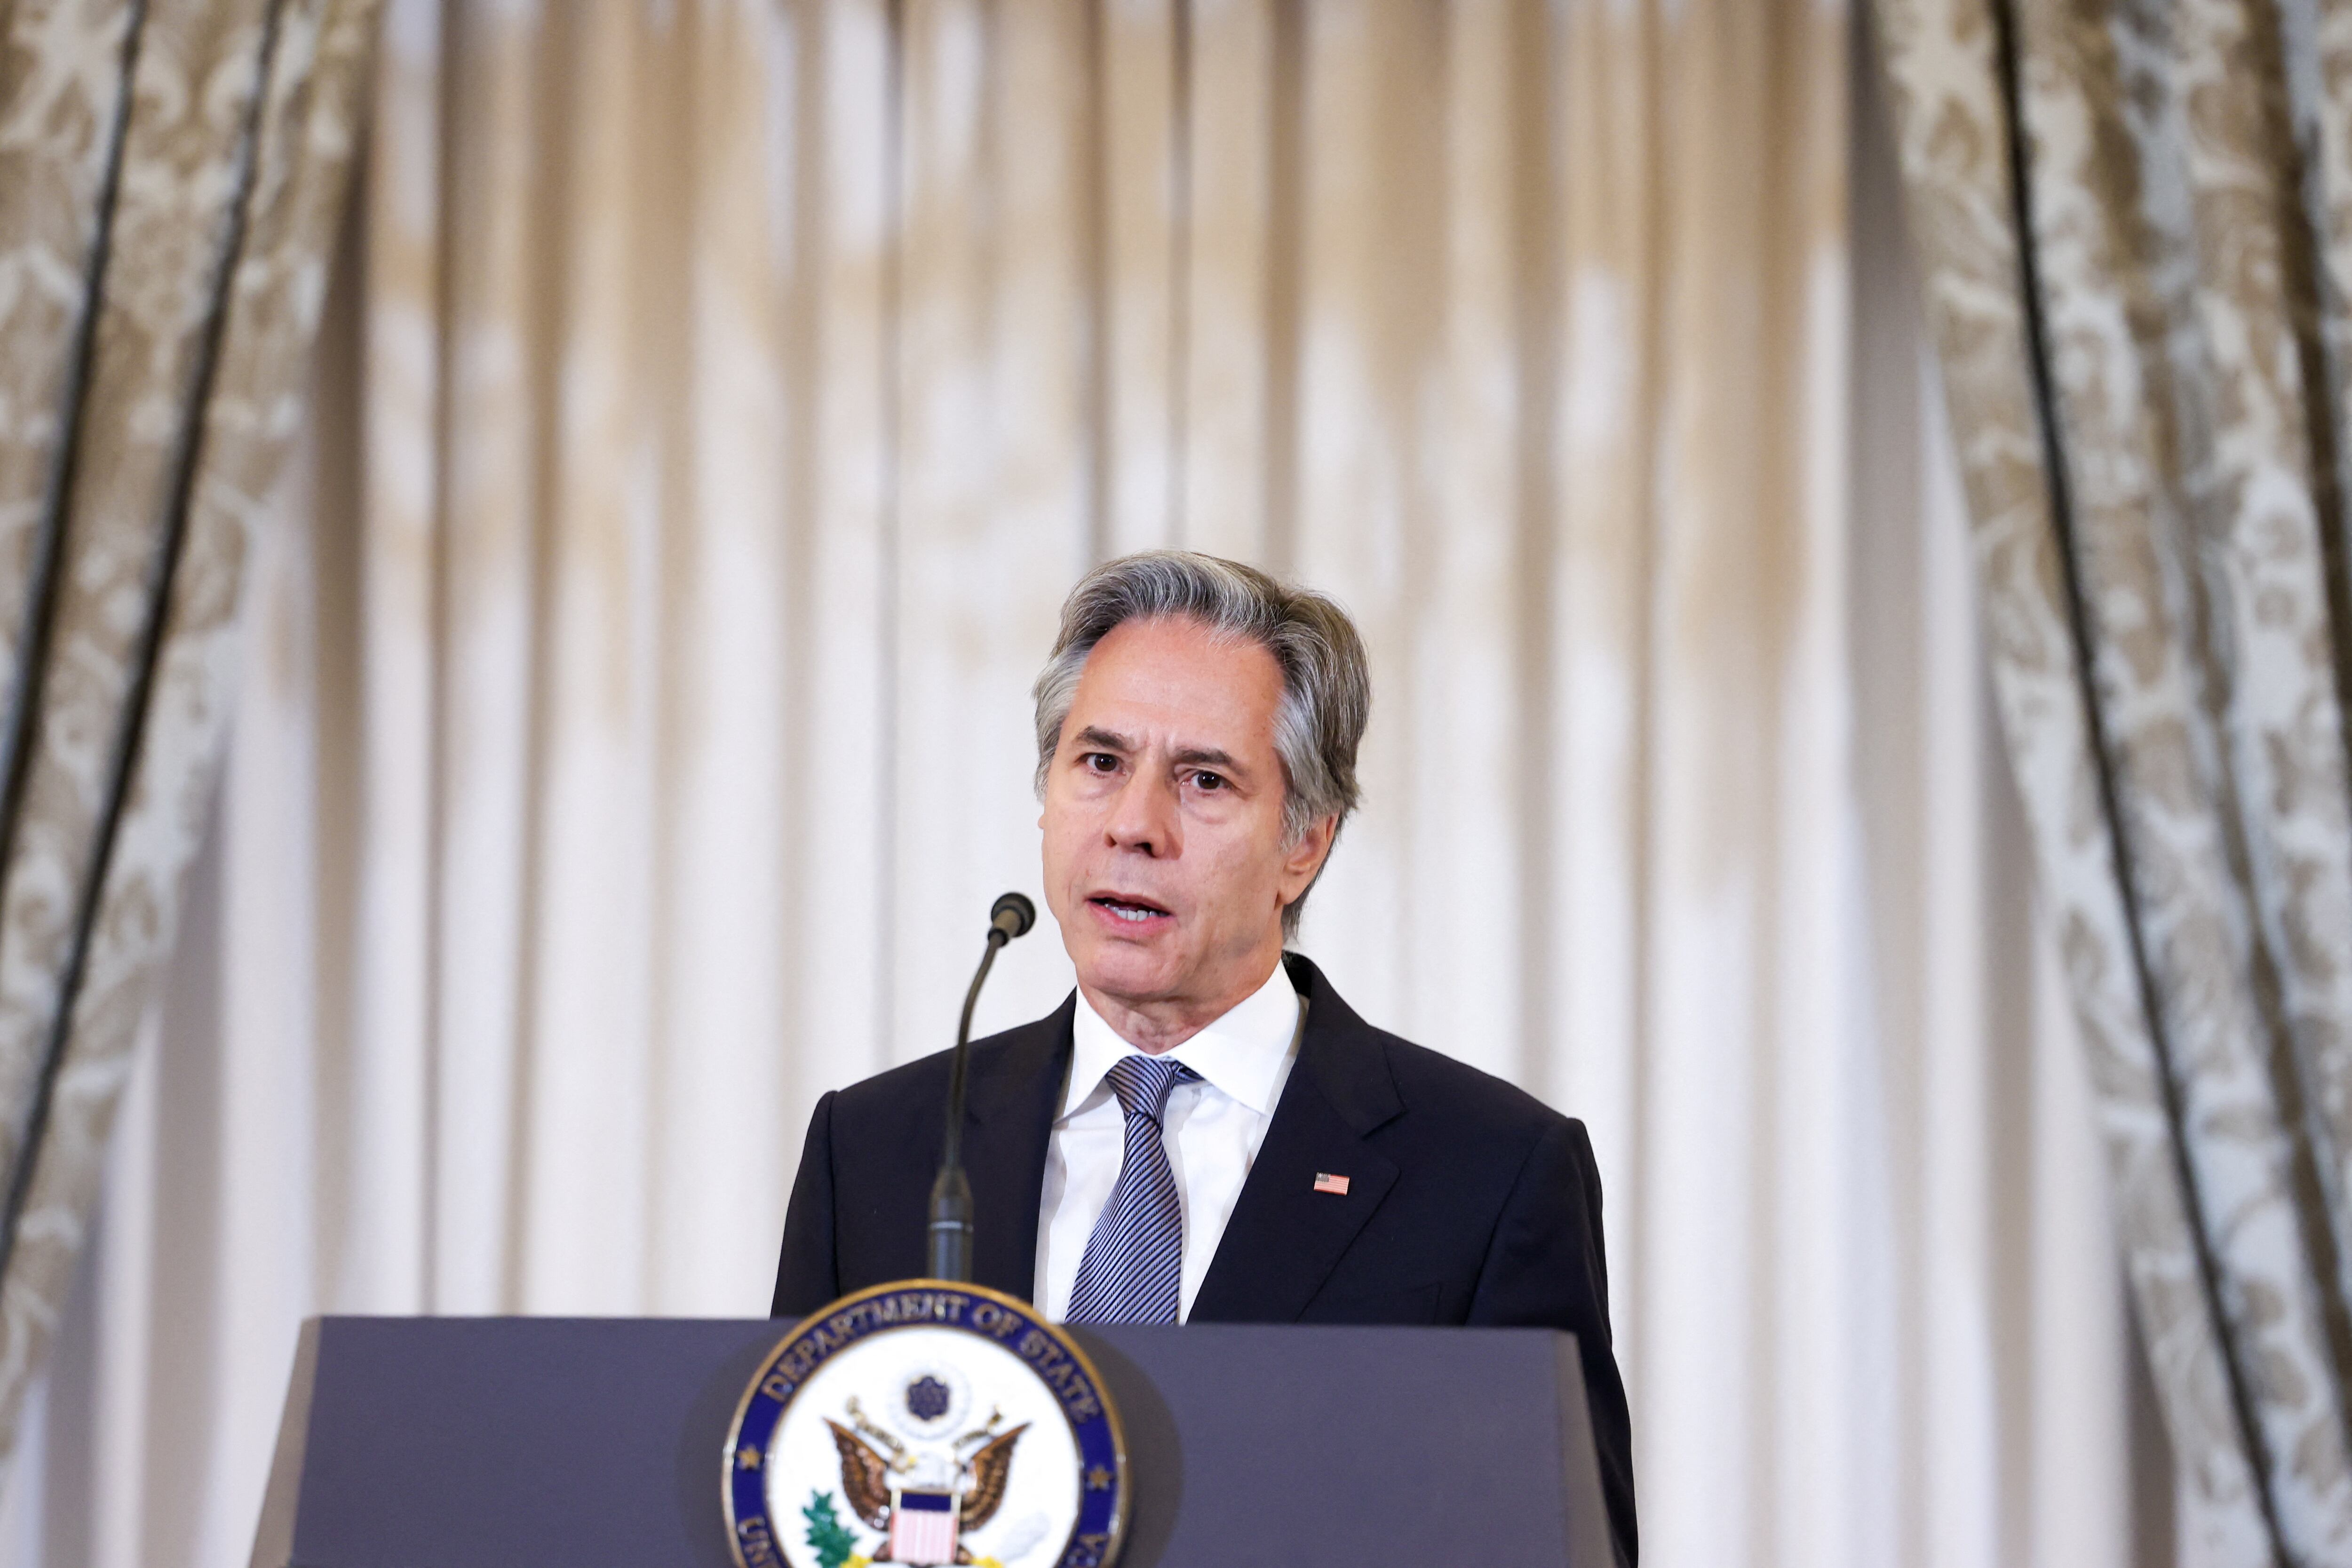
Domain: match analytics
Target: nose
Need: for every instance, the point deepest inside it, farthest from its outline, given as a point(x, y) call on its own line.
point(1143, 816)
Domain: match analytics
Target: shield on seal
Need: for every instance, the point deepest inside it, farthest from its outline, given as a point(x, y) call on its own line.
point(922, 1528)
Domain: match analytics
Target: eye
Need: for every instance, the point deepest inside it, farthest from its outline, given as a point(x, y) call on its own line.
point(1099, 763)
point(1208, 781)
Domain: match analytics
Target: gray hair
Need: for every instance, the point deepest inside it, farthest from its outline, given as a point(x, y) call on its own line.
point(1326, 684)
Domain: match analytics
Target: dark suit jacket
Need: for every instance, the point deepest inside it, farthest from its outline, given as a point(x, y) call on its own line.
point(1469, 1202)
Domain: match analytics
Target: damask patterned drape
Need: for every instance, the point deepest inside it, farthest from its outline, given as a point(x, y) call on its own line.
point(170, 174)
point(2135, 223)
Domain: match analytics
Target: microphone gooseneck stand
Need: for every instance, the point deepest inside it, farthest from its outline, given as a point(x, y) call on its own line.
point(951, 1226)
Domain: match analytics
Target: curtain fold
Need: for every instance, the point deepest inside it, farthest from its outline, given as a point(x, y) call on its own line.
point(170, 174)
point(2133, 224)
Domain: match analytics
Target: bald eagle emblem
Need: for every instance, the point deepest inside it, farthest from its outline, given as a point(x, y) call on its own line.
point(922, 1496)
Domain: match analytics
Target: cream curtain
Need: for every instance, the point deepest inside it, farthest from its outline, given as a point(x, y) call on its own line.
point(2136, 222)
point(170, 179)
point(633, 728)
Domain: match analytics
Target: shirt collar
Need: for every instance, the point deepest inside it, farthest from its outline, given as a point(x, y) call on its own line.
point(1242, 1053)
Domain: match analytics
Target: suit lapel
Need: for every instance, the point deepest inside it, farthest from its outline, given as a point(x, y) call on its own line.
point(1284, 1237)
point(1016, 1089)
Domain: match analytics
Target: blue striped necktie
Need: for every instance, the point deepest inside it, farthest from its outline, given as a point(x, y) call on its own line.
point(1133, 1271)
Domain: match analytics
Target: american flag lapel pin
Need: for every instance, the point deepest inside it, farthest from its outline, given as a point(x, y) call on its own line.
point(1327, 1183)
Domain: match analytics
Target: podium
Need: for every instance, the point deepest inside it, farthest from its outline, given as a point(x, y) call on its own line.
point(597, 1443)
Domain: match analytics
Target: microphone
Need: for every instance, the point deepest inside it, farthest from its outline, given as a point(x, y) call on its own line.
point(951, 1229)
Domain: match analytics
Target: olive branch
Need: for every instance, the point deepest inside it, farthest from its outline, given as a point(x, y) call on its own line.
point(828, 1536)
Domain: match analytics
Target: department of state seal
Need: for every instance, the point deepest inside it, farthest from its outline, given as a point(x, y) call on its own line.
point(926, 1422)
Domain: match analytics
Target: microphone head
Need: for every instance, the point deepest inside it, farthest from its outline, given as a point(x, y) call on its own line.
point(1013, 914)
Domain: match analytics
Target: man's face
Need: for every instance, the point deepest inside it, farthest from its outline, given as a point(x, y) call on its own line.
point(1164, 855)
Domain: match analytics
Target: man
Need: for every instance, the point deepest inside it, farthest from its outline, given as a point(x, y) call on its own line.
point(1204, 1131)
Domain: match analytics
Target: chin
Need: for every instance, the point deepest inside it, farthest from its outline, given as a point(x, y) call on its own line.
point(1124, 972)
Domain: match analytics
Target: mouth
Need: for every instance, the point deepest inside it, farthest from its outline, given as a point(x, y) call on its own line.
point(1127, 911)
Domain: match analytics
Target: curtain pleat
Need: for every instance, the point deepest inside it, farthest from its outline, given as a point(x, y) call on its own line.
point(175, 171)
point(2136, 281)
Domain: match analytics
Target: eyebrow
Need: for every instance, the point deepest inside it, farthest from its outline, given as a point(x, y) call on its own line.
point(1206, 757)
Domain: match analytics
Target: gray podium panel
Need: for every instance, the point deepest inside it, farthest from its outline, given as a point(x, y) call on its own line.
point(597, 1443)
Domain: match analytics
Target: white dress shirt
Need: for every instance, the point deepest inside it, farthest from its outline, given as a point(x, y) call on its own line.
point(1212, 1130)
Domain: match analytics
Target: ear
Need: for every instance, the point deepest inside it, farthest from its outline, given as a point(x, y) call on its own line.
point(1304, 859)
